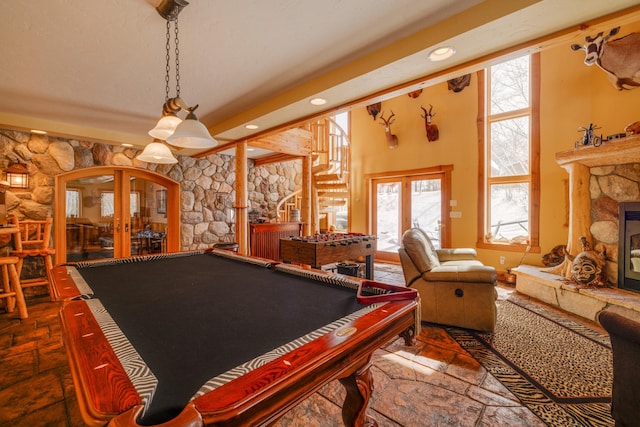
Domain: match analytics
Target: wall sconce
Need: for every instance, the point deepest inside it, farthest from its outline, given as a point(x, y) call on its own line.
point(18, 175)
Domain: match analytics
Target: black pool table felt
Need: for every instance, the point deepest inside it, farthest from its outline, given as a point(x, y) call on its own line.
point(192, 318)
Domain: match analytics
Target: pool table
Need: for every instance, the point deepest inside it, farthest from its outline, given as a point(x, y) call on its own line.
point(215, 338)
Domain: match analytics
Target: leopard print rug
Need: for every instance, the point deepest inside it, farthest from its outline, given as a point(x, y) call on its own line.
point(558, 368)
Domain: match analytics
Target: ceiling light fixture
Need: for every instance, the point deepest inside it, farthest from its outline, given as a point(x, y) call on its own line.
point(157, 152)
point(39, 132)
point(441, 53)
point(318, 101)
point(187, 133)
point(251, 127)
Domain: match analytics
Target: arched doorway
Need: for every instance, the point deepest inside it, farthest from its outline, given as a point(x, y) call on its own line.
point(114, 212)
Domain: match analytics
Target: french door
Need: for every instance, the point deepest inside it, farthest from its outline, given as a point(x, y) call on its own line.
point(410, 199)
point(114, 212)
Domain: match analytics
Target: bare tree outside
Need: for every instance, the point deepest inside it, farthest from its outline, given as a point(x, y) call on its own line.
point(509, 150)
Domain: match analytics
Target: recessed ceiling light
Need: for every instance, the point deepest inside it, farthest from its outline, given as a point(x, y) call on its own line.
point(124, 144)
point(39, 132)
point(252, 127)
point(251, 149)
point(442, 53)
point(318, 101)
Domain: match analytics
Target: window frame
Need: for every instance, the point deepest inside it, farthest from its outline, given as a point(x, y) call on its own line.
point(533, 178)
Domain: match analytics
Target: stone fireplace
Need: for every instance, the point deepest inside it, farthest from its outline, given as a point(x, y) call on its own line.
point(629, 249)
point(600, 179)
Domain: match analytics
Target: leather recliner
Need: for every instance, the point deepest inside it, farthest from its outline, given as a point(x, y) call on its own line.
point(455, 288)
point(625, 344)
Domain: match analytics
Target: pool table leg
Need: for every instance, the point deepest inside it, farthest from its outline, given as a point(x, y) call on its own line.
point(359, 387)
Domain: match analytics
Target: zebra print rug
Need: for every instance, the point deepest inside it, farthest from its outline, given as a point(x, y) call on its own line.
point(559, 369)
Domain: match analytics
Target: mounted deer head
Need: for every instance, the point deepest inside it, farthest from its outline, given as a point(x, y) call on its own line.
point(432, 130)
point(392, 140)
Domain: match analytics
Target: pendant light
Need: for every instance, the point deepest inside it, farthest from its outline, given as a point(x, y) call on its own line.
point(192, 133)
point(157, 152)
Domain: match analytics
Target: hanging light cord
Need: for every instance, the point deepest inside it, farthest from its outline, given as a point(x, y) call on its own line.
point(177, 41)
point(168, 60)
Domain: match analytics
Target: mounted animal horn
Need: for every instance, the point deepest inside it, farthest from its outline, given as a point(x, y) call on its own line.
point(392, 140)
point(432, 130)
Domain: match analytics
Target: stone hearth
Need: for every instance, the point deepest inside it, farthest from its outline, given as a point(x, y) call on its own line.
point(585, 302)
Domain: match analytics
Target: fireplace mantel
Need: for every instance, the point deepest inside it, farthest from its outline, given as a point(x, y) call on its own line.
point(625, 150)
point(577, 163)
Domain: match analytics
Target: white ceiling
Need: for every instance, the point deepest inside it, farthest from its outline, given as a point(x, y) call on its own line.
point(95, 70)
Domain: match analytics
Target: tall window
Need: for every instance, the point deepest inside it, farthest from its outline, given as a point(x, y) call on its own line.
point(510, 149)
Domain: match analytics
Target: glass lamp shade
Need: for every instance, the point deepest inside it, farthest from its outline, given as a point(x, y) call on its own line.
point(165, 127)
point(192, 134)
point(18, 176)
point(157, 152)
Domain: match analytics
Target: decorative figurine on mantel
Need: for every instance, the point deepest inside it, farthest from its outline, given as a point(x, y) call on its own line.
point(589, 138)
point(633, 128)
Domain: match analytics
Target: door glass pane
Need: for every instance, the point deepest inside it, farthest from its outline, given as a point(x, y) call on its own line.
point(147, 216)
point(426, 207)
point(509, 212)
point(388, 216)
point(89, 233)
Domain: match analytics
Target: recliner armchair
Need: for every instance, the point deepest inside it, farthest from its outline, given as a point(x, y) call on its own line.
point(455, 288)
point(625, 344)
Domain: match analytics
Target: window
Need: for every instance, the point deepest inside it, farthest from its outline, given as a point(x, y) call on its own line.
point(510, 147)
point(73, 203)
point(106, 204)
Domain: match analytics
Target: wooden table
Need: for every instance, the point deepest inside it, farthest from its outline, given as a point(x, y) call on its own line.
point(323, 249)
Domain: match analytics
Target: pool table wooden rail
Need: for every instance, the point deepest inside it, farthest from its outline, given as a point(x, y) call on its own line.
point(106, 395)
point(257, 398)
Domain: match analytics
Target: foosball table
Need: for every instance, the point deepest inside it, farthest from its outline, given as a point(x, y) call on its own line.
point(323, 249)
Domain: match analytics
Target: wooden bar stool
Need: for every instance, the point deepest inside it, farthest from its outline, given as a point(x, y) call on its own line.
point(33, 241)
point(11, 291)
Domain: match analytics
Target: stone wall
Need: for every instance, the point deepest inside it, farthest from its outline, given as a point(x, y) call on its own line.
point(207, 184)
point(608, 186)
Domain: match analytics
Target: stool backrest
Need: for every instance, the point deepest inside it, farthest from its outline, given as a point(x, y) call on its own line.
point(34, 234)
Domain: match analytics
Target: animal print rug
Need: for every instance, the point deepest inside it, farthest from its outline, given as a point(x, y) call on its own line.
point(558, 368)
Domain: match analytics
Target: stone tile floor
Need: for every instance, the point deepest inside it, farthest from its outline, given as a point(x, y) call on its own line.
point(434, 383)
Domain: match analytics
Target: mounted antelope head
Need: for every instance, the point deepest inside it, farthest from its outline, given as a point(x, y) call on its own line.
point(392, 140)
point(432, 130)
point(619, 58)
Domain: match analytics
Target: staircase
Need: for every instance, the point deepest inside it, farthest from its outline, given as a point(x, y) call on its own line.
point(330, 176)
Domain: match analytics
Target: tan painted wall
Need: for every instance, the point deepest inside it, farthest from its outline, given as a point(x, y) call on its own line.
point(572, 95)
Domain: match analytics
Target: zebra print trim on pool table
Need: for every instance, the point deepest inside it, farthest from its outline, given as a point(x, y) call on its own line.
point(241, 258)
point(143, 380)
point(262, 360)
